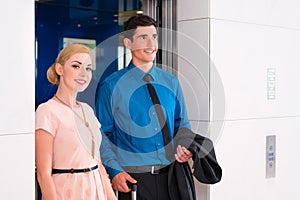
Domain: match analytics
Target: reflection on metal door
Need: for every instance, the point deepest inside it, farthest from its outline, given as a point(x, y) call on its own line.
point(165, 14)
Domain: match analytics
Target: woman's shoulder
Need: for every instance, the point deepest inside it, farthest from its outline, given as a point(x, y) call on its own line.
point(51, 108)
point(48, 105)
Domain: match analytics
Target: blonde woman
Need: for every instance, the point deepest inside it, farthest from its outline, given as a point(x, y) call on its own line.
point(67, 134)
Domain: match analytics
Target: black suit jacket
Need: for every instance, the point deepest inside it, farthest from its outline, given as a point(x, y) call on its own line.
point(205, 166)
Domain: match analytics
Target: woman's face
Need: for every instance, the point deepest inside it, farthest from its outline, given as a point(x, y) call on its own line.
point(76, 72)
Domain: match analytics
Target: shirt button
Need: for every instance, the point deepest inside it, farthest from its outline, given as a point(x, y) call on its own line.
point(153, 113)
point(156, 129)
point(158, 144)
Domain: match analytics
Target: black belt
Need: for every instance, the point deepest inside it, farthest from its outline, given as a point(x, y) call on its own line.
point(60, 171)
point(152, 169)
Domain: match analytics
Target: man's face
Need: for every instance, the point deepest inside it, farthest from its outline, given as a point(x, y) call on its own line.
point(144, 45)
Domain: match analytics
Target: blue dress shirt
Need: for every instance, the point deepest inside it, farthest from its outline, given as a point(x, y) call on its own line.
point(128, 118)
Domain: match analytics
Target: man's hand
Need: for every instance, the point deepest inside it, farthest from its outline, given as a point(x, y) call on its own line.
point(119, 182)
point(182, 155)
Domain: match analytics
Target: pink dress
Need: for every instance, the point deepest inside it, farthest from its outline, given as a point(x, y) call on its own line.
point(72, 149)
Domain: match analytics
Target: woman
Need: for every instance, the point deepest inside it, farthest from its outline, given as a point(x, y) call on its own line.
point(67, 134)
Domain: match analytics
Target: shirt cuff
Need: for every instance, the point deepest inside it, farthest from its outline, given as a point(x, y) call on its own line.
point(112, 172)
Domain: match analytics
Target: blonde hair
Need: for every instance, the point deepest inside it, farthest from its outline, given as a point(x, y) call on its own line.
point(62, 57)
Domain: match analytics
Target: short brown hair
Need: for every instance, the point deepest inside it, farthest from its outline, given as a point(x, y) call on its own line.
point(138, 20)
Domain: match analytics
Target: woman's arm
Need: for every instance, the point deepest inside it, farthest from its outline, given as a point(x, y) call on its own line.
point(106, 183)
point(43, 159)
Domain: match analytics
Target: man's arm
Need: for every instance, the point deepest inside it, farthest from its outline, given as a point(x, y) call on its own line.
point(108, 155)
point(105, 117)
point(181, 120)
point(181, 116)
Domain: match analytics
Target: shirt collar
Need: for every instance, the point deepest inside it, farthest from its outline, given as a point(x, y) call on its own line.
point(139, 74)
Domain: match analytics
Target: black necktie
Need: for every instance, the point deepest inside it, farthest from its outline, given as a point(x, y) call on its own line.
point(160, 114)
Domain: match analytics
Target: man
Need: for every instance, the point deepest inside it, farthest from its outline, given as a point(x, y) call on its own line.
point(130, 121)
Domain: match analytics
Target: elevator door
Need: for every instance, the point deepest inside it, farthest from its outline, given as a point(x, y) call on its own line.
point(165, 12)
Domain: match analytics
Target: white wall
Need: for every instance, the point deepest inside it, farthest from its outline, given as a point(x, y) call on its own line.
point(243, 40)
point(17, 100)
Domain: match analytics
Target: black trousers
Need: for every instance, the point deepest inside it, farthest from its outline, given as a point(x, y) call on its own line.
point(149, 187)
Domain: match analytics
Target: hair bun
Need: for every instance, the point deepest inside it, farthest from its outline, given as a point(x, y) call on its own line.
point(52, 76)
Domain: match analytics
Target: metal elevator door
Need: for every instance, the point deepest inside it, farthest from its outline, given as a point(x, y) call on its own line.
point(165, 13)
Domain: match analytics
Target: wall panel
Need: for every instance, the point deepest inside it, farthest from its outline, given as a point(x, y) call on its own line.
point(193, 9)
point(283, 13)
point(17, 100)
point(241, 151)
point(193, 62)
point(242, 54)
point(18, 65)
point(17, 167)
